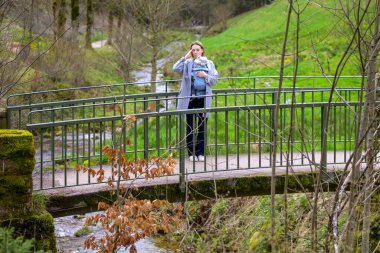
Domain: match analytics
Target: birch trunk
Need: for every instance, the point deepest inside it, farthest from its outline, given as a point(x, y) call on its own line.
point(275, 130)
point(370, 104)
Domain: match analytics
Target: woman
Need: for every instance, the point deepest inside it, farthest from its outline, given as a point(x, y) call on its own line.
point(198, 75)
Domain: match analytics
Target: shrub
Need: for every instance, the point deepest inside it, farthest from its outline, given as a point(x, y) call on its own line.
point(9, 244)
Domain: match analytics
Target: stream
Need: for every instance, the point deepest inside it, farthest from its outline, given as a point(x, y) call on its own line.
point(65, 227)
point(68, 242)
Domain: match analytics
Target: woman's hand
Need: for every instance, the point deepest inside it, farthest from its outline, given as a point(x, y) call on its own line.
point(201, 74)
point(188, 55)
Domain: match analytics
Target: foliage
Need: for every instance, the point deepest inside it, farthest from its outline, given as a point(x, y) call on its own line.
point(85, 230)
point(242, 224)
point(127, 219)
point(39, 202)
point(8, 244)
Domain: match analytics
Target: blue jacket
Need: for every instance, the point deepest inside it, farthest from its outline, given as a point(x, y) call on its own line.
point(185, 66)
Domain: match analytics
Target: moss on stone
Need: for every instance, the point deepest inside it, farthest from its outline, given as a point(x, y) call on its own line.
point(15, 195)
point(17, 153)
point(14, 142)
point(39, 200)
point(16, 184)
point(22, 165)
point(44, 231)
point(171, 192)
point(15, 201)
point(232, 187)
point(39, 227)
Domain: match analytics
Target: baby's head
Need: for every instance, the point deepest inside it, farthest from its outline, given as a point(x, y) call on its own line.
point(200, 61)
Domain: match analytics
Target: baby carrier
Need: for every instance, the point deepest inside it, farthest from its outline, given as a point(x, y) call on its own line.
point(200, 64)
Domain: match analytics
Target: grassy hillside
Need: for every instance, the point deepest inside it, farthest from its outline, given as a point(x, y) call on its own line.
point(252, 44)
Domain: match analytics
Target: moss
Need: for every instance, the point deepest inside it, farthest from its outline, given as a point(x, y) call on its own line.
point(245, 186)
point(42, 227)
point(16, 184)
point(39, 201)
point(13, 201)
point(17, 152)
point(258, 185)
point(15, 195)
point(14, 142)
point(25, 164)
point(83, 231)
point(21, 165)
point(39, 227)
point(171, 192)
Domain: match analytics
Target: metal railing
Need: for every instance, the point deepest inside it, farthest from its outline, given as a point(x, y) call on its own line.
point(238, 132)
point(19, 105)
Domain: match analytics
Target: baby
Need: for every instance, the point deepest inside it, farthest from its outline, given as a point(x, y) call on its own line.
point(200, 64)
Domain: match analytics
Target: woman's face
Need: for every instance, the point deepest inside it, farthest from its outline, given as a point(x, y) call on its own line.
point(196, 51)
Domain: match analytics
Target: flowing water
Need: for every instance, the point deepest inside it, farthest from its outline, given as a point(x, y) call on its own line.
point(67, 242)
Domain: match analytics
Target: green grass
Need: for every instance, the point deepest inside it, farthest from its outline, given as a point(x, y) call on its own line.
point(253, 42)
point(102, 67)
point(99, 35)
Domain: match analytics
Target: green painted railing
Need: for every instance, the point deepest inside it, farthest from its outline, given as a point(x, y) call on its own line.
point(237, 138)
point(75, 129)
point(19, 105)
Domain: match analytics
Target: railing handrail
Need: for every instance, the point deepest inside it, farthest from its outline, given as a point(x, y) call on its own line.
point(166, 97)
point(187, 111)
point(125, 100)
point(163, 81)
point(83, 88)
point(168, 94)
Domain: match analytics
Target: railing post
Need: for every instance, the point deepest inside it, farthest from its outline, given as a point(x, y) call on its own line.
point(377, 137)
point(166, 97)
point(146, 131)
point(324, 121)
point(3, 118)
point(182, 152)
point(273, 120)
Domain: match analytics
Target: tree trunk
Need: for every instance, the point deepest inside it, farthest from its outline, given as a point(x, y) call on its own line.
point(75, 20)
point(119, 34)
point(290, 140)
point(362, 133)
point(31, 20)
point(275, 130)
point(371, 105)
point(110, 26)
point(89, 23)
point(61, 18)
point(55, 20)
point(153, 76)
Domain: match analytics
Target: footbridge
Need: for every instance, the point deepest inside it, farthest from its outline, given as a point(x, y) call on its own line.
point(72, 127)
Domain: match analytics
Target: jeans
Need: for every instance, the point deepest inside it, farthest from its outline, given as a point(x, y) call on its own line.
point(196, 128)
